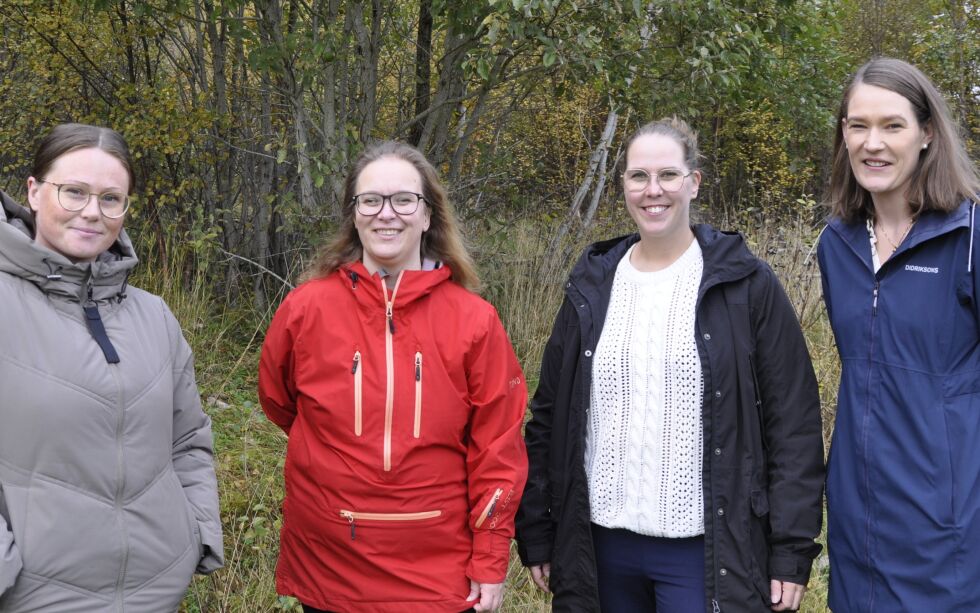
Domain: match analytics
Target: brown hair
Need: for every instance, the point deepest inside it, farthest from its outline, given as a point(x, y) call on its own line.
point(944, 177)
point(68, 137)
point(677, 129)
point(442, 241)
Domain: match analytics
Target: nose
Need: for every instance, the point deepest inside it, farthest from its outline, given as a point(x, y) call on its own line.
point(91, 209)
point(387, 209)
point(653, 187)
point(873, 142)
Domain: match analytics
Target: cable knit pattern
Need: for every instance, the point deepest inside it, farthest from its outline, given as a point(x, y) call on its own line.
point(644, 440)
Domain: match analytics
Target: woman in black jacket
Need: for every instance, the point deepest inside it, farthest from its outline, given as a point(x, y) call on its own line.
point(676, 457)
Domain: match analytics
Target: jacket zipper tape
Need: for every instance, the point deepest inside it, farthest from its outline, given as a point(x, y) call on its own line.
point(353, 516)
point(417, 431)
point(356, 370)
point(488, 510)
point(389, 365)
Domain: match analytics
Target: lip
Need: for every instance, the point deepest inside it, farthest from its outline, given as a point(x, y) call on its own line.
point(646, 209)
point(88, 232)
point(875, 163)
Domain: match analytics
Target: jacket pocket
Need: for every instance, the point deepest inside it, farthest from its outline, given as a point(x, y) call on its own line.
point(489, 508)
point(758, 524)
point(356, 370)
point(417, 429)
point(353, 517)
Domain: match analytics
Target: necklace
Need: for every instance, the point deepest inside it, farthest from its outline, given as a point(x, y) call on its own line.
point(901, 238)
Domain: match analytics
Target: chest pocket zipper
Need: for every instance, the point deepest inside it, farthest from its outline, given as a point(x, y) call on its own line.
point(417, 431)
point(356, 371)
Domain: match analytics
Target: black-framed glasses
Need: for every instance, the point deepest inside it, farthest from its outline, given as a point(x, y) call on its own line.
point(73, 197)
point(370, 204)
point(669, 179)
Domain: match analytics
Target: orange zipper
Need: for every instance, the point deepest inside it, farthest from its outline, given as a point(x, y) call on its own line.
point(356, 369)
point(418, 394)
point(390, 366)
point(488, 511)
point(353, 516)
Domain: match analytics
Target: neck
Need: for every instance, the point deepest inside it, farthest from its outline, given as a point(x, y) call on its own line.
point(892, 211)
point(651, 255)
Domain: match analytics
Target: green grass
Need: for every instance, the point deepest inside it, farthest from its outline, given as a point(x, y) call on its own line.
point(525, 289)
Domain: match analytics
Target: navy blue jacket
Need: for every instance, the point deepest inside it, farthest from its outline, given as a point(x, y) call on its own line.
point(763, 451)
point(903, 486)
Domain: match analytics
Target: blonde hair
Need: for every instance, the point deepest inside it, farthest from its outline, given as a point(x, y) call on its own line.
point(675, 128)
point(443, 240)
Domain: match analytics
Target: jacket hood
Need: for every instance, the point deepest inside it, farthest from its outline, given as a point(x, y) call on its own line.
point(101, 280)
point(726, 257)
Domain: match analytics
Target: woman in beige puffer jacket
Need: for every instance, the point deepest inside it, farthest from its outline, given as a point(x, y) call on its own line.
point(108, 497)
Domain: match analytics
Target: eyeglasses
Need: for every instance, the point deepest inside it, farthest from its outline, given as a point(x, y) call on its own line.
point(370, 204)
point(74, 198)
point(669, 179)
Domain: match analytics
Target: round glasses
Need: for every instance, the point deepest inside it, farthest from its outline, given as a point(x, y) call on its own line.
point(74, 198)
point(370, 204)
point(669, 179)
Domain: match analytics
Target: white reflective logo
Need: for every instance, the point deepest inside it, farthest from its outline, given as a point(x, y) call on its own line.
point(930, 269)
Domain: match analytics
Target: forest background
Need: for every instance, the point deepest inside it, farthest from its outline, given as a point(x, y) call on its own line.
point(244, 115)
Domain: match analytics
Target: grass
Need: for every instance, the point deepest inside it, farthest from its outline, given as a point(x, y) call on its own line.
point(524, 285)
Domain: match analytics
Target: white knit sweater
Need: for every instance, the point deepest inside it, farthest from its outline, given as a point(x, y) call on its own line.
point(644, 439)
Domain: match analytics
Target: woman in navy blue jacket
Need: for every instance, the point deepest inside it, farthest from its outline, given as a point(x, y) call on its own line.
point(899, 269)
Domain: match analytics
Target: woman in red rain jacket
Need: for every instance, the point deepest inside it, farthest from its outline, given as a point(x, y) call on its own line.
point(403, 402)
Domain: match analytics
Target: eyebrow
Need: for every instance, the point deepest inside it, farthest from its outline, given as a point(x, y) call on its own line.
point(850, 118)
point(89, 186)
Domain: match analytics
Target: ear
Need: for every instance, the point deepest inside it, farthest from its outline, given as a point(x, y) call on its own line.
point(428, 219)
point(695, 182)
point(33, 197)
point(928, 133)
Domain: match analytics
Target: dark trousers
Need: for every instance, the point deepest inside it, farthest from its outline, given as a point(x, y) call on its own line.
point(308, 609)
point(647, 574)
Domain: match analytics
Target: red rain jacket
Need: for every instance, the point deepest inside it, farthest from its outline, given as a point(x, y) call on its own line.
point(405, 462)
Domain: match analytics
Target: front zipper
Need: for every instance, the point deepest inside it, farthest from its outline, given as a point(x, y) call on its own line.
point(353, 516)
point(488, 510)
point(389, 366)
point(356, 370)
point(120, 480)
point(418, 394)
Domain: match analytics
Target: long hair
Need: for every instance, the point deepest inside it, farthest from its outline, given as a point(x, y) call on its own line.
point(443, 240)
point(944, 176)
point(68, 137)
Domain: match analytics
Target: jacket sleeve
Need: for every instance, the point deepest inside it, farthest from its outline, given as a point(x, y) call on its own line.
point(10, 562)
point(193, 456)
point(496, 461)
point(792, 432)
point(277, 387)
point(535, 526)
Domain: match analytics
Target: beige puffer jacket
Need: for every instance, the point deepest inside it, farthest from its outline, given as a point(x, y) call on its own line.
point(108, 497)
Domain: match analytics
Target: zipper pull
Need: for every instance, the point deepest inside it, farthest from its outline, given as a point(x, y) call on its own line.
point(493, 502)
point(350, 520)
point(714, 606)
point(874, 303)
point(391, 319)
point(418, 366)
point(357, 359)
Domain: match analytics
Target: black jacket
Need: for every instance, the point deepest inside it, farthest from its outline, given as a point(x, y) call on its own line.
point(763, 449)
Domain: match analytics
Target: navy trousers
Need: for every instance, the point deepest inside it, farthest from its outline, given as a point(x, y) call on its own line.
point(648, 574)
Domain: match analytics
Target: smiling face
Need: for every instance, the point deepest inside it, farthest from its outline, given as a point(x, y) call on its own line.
point(80, 235)
point(884, 141)
point(389, 240)
point(660, 215)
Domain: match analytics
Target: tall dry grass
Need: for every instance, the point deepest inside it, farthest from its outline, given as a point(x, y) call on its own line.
point(525, 286)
